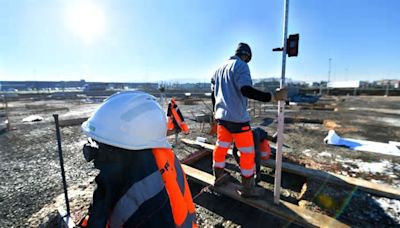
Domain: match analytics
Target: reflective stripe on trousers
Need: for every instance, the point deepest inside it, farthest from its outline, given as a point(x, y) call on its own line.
point(246, 150)
point(245, 144)
point(223, 144)
point(248, 172)
point(219, 164)
point(136, 195)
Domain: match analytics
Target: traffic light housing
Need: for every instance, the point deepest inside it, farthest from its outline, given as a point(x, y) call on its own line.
point(292, 45)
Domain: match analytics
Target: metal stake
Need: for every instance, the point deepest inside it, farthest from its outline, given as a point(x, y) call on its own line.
point(176, 137)
point(61, 163)
point(7, 114)
point(281, 110)
point(329, 77)
point(162, 100)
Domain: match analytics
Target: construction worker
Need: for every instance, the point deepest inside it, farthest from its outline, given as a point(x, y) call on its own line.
point(176, 122)
point(141, 182)
point(231, 85)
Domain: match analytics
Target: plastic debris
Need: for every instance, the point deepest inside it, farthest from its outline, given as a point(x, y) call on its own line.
point(33, 118)
point(361, 145)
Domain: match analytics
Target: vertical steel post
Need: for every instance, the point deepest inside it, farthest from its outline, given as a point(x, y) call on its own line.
point(329, 76)
point(61, 162)
point(176, 137)
point(7, 114)
point(387, 89)
point(281, 109)
point(162, 100)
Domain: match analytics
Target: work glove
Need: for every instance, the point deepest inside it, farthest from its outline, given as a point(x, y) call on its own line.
point(280, 94)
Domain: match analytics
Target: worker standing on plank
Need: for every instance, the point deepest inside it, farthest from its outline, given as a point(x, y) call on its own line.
point(141, 182)
point(231, 85)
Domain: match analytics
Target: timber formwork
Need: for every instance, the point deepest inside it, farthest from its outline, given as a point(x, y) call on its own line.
point(285, 210)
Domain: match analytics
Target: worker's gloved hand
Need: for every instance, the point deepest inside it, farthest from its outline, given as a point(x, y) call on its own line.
point(281, 94)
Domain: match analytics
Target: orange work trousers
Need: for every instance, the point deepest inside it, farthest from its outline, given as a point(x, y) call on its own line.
point(244, 143)
point(265, 150)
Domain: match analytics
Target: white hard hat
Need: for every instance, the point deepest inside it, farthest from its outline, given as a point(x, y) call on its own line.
point(131, 120)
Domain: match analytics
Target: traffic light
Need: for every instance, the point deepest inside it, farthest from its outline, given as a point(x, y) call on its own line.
point(293, 45)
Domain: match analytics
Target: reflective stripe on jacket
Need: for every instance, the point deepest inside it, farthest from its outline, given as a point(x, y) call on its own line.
point(175, 118)
point(136, 195)
point(130, 191)
point(177, 187)
point(169, 177)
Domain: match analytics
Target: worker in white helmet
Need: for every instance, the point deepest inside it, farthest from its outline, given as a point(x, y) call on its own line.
point(141, 182)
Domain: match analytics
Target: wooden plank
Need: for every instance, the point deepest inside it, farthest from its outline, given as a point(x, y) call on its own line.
point(192, 158)
point(285, 210)
point(195, 144)
point(303, 120)
point(72, 122)
point(332, 178)
point(326, 177)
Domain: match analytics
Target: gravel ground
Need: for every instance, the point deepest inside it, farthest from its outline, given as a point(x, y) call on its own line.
point(31, 187)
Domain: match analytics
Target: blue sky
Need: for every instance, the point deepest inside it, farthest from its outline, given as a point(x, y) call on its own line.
point(186, 40)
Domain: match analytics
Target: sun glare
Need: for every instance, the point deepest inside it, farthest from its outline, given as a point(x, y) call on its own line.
point(86, 20)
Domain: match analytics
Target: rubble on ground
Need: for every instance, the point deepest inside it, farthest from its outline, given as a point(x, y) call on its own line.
point(31, 189)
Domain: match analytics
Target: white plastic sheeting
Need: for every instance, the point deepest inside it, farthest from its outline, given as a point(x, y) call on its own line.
point(362, 145)
point(32, 118)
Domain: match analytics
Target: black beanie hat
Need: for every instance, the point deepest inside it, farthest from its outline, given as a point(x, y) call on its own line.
point(243, 49)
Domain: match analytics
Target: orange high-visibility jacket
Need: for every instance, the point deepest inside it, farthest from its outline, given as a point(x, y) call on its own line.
point(170, 176)
point(175, 118)
point(177, 187)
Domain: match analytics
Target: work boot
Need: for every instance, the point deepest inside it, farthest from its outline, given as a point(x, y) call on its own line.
point(221, 177)
point(249, 188)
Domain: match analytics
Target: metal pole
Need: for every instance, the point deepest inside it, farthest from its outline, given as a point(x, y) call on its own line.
point(176, 137)
point(61, 162)
point(162, 100)
point(281, 109)
point(329, 77)
point(7, 114)
point(387, 89)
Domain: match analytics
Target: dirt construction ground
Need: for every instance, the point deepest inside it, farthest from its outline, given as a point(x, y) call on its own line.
point(31, 188)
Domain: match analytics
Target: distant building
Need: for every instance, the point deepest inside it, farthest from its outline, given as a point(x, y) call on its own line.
point(40, 85)
point(344, 84)
point(61, 85)
point(393, 83)
point(95, 87)
point(271, 84)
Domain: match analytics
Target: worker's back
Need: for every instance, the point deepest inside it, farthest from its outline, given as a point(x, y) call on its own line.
point(230, 104)
point(130, 190)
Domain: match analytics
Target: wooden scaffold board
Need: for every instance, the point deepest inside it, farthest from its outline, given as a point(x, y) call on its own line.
point(325, 177)
point(288, 211)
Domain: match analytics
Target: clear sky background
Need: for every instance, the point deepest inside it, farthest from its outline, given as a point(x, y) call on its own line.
point(186, 40)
